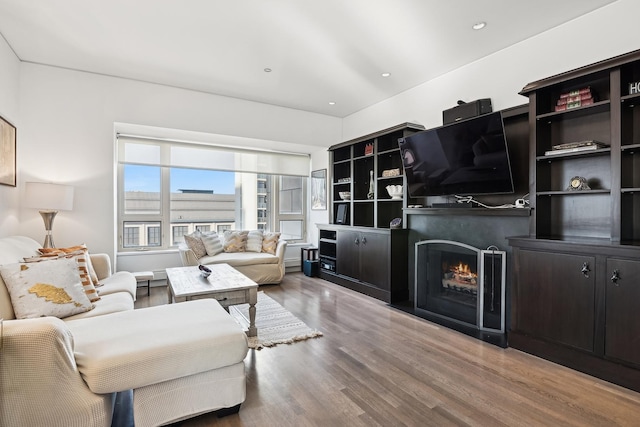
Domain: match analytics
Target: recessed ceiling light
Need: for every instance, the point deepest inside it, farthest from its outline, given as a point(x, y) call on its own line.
point(332, 103)
point(386, 74)
point(479, 25)
point(267, 70)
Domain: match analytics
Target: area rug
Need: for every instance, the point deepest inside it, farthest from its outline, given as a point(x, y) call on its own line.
point(276, 325)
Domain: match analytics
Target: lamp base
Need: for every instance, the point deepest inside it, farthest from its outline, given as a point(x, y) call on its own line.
point(48, 217)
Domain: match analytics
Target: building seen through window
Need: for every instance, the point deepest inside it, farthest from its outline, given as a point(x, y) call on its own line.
point(159, 205)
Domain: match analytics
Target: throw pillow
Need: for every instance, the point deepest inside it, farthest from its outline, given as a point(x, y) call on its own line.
point(212, 243)
point(270, 242)
point(51, 288)
point(254, 241)
point(81, 259)
point(235, 241)
point(70, 249)
point(194, 242)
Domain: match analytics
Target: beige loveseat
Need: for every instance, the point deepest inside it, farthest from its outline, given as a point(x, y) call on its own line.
point(261, 267)
point(180, 360)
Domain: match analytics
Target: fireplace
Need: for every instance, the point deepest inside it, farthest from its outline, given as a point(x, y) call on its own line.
point(461, 283)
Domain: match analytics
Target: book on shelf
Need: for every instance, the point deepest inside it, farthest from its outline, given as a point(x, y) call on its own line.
point(575, 144)
point(576, 92)
point(574, 99)
point(574, 104)
point(572, 150)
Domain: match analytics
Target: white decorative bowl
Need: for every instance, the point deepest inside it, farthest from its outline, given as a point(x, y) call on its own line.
point(395, 191)
point(345, 195)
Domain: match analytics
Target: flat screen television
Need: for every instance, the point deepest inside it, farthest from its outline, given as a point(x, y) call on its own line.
point(462, 158)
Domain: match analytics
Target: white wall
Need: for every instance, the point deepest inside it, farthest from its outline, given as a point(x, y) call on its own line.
point(9, 108)
point(602, 34)
point(67, 136)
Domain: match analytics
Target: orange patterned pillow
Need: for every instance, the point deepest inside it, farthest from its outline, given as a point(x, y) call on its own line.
point(92, 272)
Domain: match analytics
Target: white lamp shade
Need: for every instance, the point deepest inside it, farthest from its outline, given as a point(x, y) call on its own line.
point(48, 196)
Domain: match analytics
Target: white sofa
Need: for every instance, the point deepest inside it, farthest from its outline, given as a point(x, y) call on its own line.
point(180, 360)
point(261, 267)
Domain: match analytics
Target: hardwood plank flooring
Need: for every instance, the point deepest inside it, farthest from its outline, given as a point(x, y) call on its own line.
point(377, 366)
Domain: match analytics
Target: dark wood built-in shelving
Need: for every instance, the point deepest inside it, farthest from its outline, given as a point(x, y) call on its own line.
point(576, 281)
point(363, 253)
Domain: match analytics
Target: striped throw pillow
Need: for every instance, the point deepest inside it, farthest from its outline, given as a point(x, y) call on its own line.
point(212, 243)
point(254, 241)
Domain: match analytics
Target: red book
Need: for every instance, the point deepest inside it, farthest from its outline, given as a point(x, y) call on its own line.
point(581, 97)
point(576, 92)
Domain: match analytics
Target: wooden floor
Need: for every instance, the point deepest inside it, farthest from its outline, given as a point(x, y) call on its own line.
point(379, 366)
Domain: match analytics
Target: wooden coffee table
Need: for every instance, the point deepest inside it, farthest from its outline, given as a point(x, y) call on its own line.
point(225, 284)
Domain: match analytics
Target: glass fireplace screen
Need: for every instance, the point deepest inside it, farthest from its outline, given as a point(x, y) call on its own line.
point(461, 283)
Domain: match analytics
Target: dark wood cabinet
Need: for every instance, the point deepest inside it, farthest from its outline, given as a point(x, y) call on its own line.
point(556, 297)
point(577, 304)
point(360, 250)
point(622, 317)
point(367, 260)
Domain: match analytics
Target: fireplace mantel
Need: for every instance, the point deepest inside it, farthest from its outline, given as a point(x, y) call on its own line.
point(520, 212)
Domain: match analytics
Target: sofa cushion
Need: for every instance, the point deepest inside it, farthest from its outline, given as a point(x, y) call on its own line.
point(194, 242)
point(136, 348)
point(235, 241)
point(112, 303)
point(120, 281)
point(270, 242)
point(254, 241)
point(239, 259)
point(51, 288)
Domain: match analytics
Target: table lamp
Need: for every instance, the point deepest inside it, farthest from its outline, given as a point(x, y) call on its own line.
point(49, 198)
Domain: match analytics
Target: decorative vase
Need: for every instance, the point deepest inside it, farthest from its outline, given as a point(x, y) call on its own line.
point(370, 193)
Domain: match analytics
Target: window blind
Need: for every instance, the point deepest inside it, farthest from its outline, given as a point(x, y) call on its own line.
point(181, 154)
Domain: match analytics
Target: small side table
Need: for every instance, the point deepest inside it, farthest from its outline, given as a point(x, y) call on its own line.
point(144, 276)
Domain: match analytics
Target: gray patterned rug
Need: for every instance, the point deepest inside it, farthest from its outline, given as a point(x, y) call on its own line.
point(276, 325)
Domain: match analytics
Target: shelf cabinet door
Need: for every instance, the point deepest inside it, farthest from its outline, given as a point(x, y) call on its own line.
point(555, 299)
point(622, 330)
point(374, 259)
point(348, 253)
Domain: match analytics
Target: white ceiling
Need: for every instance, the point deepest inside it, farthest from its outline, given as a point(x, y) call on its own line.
point(320, 51)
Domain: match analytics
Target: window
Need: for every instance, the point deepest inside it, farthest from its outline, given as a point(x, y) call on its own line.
point(177, 233)
point(167, 198)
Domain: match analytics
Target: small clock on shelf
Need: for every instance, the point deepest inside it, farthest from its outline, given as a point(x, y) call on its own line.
point(578, 183)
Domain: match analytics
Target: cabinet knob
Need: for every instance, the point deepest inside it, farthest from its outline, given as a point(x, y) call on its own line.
point(357, 242)
point(585, 269)
point(364, 240)
point(615, 277)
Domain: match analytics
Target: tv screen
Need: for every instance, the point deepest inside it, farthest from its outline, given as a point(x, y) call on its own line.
point(462, 158)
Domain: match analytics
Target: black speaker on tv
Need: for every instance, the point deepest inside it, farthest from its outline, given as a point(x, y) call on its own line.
point(466, 110)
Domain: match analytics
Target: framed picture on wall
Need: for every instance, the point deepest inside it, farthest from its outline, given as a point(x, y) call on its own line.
point(7, 153)
point(319, 190)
